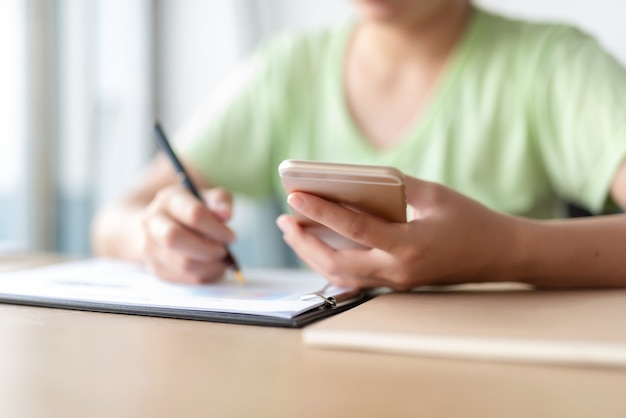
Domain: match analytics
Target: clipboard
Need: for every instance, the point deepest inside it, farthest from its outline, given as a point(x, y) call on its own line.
point(271, 297)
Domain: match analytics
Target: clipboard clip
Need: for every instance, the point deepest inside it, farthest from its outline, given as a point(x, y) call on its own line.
point(332, 302)
point(329, 302)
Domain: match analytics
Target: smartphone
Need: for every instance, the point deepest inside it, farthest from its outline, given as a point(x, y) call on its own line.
point(375, 190)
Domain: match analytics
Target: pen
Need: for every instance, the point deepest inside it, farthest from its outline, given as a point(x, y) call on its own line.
point(182, 176)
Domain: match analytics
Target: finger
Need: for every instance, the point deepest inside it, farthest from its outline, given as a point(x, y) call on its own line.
point(194, 214)
point(345, 268)
point(360, 227)
point(175, 238)
point(220, 202)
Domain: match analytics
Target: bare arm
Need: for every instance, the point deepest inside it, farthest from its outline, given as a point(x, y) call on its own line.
point(162, 225)
point(453, 239)
point(587, 252)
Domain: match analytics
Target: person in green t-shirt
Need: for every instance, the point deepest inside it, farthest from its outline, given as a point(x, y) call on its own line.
point(495, 122)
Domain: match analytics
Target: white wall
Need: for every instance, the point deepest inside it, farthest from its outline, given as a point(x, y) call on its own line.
point(276, 15)
point(197, 45)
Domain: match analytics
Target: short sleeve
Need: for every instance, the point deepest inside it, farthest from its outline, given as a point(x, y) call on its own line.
point(230, 139)
point(581, 117)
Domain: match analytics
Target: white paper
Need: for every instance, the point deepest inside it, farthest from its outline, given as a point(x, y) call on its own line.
point(269, 292)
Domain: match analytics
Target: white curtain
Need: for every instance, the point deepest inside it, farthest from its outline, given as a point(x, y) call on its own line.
point(13, 226)
point(104, 97)
point(77, 81)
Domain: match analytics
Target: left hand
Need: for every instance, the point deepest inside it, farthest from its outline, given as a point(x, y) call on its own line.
point(451, 239)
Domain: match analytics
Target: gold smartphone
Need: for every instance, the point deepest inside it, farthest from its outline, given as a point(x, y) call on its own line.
point(375, 190)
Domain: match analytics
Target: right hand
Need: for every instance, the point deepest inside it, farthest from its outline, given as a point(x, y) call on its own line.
point(184, 240)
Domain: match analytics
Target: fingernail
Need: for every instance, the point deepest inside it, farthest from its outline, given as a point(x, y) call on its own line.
point(221, 207)
point(283, 223)
point(295, 201)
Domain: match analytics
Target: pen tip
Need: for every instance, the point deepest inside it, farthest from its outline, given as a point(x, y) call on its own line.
point(239, 276)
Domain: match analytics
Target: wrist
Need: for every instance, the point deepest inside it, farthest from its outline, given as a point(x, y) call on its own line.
point(514, 251)
point(532, 252)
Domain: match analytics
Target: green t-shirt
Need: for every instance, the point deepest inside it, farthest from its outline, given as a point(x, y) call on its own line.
point(525, 115)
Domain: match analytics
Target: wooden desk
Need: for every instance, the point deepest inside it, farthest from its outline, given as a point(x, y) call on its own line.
point(61, 363)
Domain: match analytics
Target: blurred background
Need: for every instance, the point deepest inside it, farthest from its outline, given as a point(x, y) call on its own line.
point(81, 82)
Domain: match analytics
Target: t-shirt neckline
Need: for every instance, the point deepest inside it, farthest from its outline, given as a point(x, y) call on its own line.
point(445, 83)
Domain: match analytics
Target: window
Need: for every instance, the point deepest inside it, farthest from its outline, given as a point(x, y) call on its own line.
point(13, 143)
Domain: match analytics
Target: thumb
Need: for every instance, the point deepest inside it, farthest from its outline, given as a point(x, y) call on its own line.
point(220, 202)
